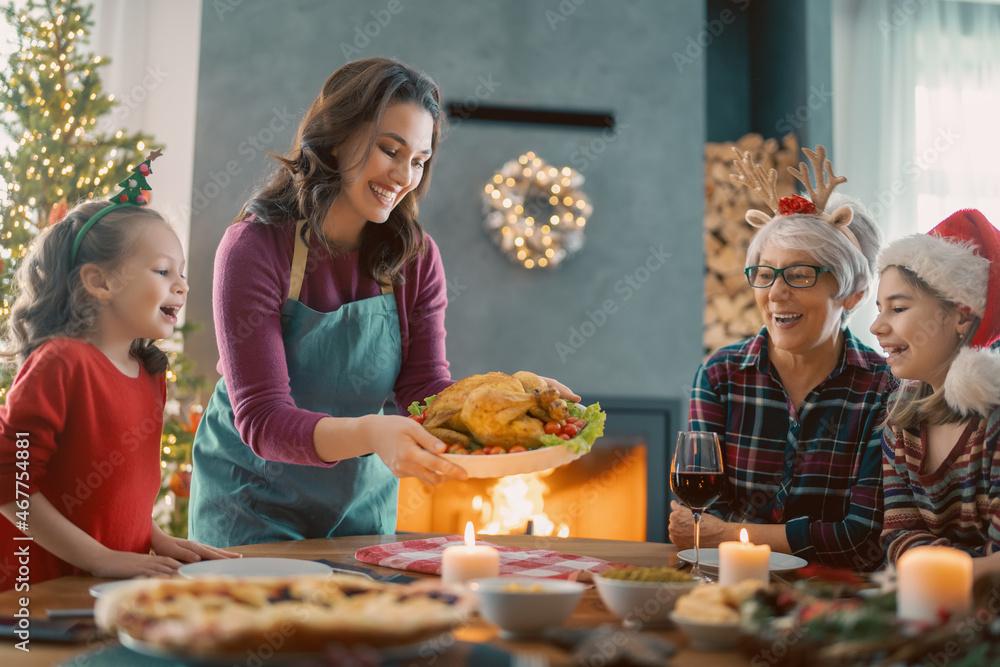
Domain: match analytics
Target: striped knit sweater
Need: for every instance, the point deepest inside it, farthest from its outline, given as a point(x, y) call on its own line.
point(957, 505)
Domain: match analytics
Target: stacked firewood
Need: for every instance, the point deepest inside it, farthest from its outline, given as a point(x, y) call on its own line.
point(730, 310)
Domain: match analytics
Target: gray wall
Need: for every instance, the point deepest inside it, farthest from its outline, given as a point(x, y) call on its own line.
point(263, 62)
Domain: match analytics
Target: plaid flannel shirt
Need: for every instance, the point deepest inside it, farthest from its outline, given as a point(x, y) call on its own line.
point(817, 469)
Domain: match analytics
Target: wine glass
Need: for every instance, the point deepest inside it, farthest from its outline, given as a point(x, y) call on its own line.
point(696, 478)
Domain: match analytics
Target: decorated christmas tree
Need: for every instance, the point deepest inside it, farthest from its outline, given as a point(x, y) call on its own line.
point(68, 149)
point(180, 421)
point(54, 108)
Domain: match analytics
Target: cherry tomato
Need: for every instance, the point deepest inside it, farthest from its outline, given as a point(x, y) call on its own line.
point(572, 420)
point(477, 452)
point(570, 430)
point(457, 449)
point(552, 427)
point(423, 413)
point(495, 450)
point(418, 418)
point(517, 448)
point(564, 436)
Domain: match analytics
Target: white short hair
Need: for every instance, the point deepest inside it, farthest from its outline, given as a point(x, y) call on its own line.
point(854, 271)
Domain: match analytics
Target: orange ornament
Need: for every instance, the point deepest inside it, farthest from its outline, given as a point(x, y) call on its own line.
point(180, 484)
point(58, 212)
point(194, 417)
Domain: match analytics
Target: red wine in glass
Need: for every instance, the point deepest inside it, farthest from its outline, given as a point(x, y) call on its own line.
point(697, 489)
point(696, 478)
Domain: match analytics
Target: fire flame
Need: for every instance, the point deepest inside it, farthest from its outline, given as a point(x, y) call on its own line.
point(470, 535)
point(513, 502)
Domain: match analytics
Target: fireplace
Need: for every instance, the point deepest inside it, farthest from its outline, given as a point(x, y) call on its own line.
point(617, 491)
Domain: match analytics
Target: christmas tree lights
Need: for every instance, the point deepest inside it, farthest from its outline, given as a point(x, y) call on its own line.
point(50, 100)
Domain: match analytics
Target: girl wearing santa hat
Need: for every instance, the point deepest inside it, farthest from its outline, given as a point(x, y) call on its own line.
point(938, 316)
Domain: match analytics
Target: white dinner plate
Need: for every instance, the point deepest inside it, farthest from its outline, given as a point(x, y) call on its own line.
point(501, 465)
point(181, 658)
point(172, 658)
point(97, 590)
point(710, 560)
point(253, 567)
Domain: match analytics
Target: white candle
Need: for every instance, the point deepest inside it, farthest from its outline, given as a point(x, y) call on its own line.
point(930, 580)
point(743, 560)
point(462, 563)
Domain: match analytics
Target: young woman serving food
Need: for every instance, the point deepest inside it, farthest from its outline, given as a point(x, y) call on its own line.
point(328, 295)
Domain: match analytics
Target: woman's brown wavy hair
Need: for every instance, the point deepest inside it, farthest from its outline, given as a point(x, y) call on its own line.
point(51, 301)
point(308, 178)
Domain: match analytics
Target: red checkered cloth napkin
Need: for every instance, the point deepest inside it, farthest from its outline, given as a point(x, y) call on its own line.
point(425, 556)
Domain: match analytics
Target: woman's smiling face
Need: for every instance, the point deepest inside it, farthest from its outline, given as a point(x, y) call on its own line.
point(919, 332)
point(374, 184)
point(799, 320)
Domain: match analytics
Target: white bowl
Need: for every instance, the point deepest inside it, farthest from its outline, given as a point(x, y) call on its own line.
point(533, 606)
point(708, 636)
point(645, 603)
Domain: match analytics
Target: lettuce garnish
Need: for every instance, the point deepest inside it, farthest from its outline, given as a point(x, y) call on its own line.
point(582, 442)
point(417, 408)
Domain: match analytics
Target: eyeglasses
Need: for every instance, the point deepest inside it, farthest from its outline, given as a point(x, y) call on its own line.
point(797, 275)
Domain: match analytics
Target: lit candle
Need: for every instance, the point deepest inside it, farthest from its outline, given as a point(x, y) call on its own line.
point(468, 561)
point(743, 560)
point(930, 580)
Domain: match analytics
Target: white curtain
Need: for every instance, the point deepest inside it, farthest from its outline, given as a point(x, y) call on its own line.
point(154, 50)
point(916, 95)
point(957, 106)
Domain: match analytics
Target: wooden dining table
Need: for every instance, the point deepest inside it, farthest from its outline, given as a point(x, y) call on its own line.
point(72, 593)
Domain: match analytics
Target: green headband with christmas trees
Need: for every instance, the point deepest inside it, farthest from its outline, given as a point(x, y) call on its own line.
point(134, 192)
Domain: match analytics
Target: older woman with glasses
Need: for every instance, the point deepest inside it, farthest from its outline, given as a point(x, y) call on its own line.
point(799, 407)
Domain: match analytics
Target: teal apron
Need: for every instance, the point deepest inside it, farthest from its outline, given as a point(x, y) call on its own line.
point(343, 364)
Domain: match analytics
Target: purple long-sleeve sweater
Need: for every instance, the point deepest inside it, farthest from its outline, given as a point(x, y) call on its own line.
point(252, 267)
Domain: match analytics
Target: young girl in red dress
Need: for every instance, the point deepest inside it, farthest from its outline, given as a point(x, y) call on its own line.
point(80, 431)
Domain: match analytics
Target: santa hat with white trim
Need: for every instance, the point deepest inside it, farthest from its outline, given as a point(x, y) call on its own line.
point(960, 258)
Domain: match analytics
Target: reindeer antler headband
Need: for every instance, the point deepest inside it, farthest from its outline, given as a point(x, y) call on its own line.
point(765, 184)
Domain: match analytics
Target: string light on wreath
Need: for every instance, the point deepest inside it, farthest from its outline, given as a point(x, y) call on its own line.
point(535, 212)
